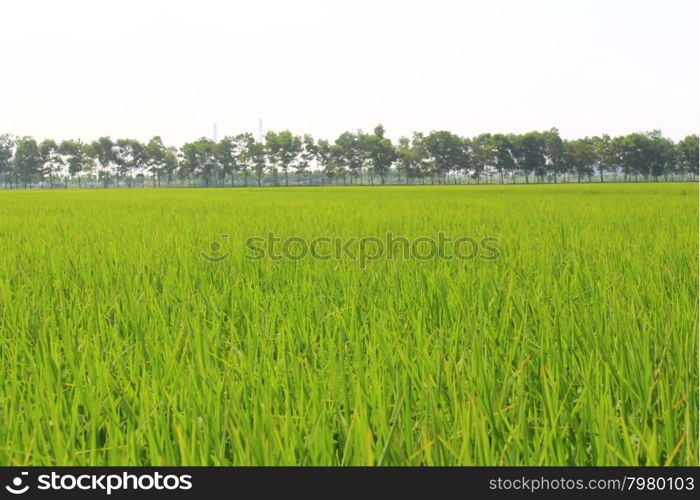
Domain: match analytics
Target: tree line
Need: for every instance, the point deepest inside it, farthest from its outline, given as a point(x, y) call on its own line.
point(437, 157)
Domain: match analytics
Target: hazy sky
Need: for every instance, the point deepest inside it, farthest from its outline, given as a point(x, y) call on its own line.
point(127, 68)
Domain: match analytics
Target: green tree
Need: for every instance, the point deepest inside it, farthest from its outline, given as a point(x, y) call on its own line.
point(227, 154)
point(283, 149)
point(27, 160)
point(406, 159)
point(307, 155)
point(617, 152)
point(187, 164)
point(171, 164)
point(660, 154)
point(530, 155)
point(553, 153)
point(75, 158)
point(604, 155)
point(246, 155)
point(349, 155)
point(256, 155)
point(580, 156)
point(411, 158)
point(687, 154)
point(130, 158)
point(90, 166)
point(7, 149)
point(51, 161)
point(379, 152)
point(502, 154)
point(482, 155)
point(632, 151)
point(324, 159)
point(445, 153)
point(104, 151)
point(199, 158)
point(155, 154)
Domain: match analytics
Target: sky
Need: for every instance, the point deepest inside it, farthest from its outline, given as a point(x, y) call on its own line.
point(84, 69)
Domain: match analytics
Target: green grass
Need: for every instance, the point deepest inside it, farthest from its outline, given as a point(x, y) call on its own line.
point(120, 345)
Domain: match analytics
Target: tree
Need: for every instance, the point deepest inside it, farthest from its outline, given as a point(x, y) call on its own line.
point(199, 158)
point(75, 158)
point(445, 153)
point(208, 165)
point(90, 165)
point(406, 159)
point(579, 156)
point(104, 151)
point(51, 162)
point(530, 155)
point(687, 154)
point(632, 150)
point(27, 160)
point(324, 159)
point(502, 154)
point(140, 160)
point(187, 164)
point(553, 153)
point(338, 167)
point(170, 163)
point(246, 158)
point(283, 148)
point(604, 155)
point(440, 154)
point(660, 154)
point(482, 155)
point(227, 154)
point(130, 157)
point(379, 152)
point(309, 153)
point(155, 156)
point(255, 154)
point(7, 148)
point(349, 155)
point(411, 158)
point(617, 151)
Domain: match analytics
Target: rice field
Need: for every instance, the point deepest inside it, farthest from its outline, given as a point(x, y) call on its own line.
point(121, 344)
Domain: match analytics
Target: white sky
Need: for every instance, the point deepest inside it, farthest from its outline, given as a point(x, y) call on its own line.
point(82, 69)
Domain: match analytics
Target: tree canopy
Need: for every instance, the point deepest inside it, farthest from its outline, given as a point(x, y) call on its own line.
point(359, 157)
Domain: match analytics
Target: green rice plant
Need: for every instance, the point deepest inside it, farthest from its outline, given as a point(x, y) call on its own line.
point(121, 345)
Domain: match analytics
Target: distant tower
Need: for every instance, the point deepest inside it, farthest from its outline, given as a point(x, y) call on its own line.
point(215, 133)
point(260, 130)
